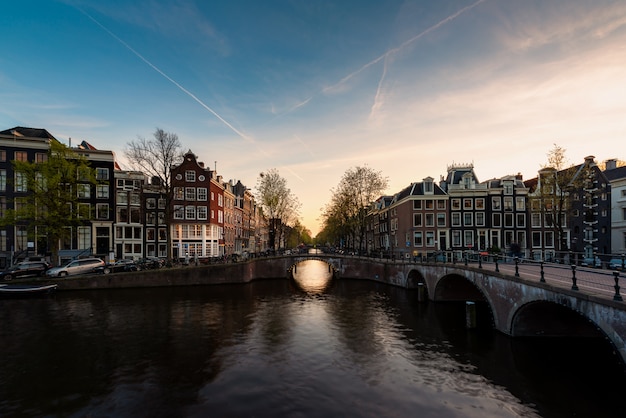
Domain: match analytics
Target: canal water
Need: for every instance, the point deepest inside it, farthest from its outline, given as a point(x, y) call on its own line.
point(304, 348)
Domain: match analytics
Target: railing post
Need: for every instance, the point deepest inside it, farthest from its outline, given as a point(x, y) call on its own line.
point(574, 286)
point(496, 258)
point(516, 266)
point(465, 256)
point(480, 261)
point(617, 296)
point(543, 278)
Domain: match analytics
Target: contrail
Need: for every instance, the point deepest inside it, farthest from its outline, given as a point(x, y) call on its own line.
point(155, 68)
point(404, 44)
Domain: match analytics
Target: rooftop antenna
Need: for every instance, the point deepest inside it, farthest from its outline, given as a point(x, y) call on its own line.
point(215, 165)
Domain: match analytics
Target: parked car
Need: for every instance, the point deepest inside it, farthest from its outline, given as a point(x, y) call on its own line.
point(591, 262)
point(117, 267)
point(616, 264)
point(74, 267)
point(25, 269)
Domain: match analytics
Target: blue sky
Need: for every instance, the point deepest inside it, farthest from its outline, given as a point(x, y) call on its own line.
point(314, 88)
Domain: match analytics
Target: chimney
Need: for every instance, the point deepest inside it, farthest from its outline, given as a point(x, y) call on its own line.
point(611, 164)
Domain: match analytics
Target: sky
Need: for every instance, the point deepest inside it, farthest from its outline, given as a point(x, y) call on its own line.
point(315, 88)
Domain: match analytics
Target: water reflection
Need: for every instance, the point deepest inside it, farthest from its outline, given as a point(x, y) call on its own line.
point(313, 276)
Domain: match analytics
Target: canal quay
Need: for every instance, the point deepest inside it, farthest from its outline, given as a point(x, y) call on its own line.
point(315, 336)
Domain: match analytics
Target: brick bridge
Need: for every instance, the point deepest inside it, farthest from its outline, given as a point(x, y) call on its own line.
point(524, 300)
point(520, 303)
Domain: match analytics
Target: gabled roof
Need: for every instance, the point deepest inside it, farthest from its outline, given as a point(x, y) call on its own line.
point(20, 131)
point(616, 173)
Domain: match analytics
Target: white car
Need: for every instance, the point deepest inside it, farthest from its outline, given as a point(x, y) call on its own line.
point(74, 267)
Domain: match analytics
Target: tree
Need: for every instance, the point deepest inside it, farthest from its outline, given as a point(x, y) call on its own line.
point(557, 183)
point(279, 205)
point(155, 158)
point(49, 207)
point(346, 214)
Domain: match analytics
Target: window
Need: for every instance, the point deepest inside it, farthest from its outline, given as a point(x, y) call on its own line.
point(3, 155)
point(496, 203)
point(121, 198)
point(456, 238)
point(135, 199)
point(417, 219)
point(190, 176)
point(480, 203)
point(508, 187)
point(441, 204)
point(428, 187)
point(179, 193)
point(467, 204)
point(102, 191)
point(41, 157)
point(21, 185)
point(549, 239)
point(456, 219)
point(508, 220)
point(441, 219)
point(430, 238)
point(456, 204)
point(179, 212)
point(83, 173)
point(521, 220)
point(469, 238)
point(84, 237)
point(496, 220)
point(3, 180)
point(202, 194)
point(151, 203)
point(417, 239)
point(480, 219)
point(430, 204)
point(102, 211)
point(161, 203)
point(535, 220)
point(102, 173)
point(508, 203)
point(417, 204)
point(467, 219)
point(430, 219)
point(135, 215)
point(190, 193)
point(83, 211)
point(202, 212)
point(520, 203)
point(84, 191)
point(150, 234)
point(122, 215)
point(624, 214)
point(190, 212)
point(20, 156)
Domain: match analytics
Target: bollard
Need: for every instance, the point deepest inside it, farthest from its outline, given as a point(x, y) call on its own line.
point(480, 261)
point(470, 315)
point(542, 279)
point(421, 292)
point(516, 266)
point(574, 286)
point(497, 268)
point(617, 296)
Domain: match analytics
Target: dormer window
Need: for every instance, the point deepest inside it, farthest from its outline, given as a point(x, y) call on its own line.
point(428, 185)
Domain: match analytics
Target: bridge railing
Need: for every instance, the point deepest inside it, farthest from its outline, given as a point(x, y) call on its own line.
point(598, 281)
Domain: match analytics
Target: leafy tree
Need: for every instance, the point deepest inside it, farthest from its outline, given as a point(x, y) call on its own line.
point(345, 216)
point(278, 204)
point(155, 157)
point(50, 202)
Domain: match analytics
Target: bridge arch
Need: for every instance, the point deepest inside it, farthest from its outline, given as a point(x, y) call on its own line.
point(544, 318)
point(415, 278)
point(294, 266)
point(456, 287)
